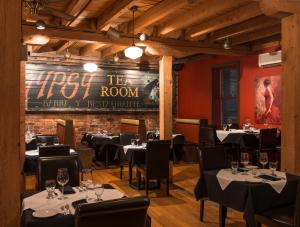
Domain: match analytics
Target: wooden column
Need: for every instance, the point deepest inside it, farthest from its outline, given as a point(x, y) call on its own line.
point(165, 98)
point(290, 104)
point(10, 29)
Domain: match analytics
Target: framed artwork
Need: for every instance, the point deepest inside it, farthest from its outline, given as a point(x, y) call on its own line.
point(267, 100)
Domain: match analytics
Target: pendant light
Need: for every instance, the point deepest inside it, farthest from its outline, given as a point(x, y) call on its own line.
point(133, 52)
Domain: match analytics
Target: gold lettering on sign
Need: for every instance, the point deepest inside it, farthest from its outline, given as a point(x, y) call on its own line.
point(87, 84)
point(42, 89)
point(134, 93)
point(71, 84)
point(54, 82)
point(104, 91)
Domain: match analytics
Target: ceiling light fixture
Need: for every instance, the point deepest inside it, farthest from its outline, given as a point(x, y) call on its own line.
point(40, 25)
point(90, 67)
point(227, 44)
point(143, 36)
point(67, 54)
point(133, 52)
point(116, 58)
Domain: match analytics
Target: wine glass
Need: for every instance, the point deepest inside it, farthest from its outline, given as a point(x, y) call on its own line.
point(98, 192)
point(62, 179)
point(50, 187)
point(224, 127)
point(263, 159)
point(244, 159)
point(229, 122)
point(234, 167)
point(273, 167)
point(87, 177)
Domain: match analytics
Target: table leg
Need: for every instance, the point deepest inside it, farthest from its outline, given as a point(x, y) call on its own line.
point(222, 215)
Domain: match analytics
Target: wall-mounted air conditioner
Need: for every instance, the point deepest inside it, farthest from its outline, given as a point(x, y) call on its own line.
point(269, 59)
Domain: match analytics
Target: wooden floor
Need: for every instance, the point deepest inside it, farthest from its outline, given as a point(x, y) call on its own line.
point(179, 209)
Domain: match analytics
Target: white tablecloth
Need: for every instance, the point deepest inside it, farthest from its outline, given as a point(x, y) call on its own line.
point(125, 148)
point(36, 152)
point(225, 177)
point(221, 134)
point(39, 201)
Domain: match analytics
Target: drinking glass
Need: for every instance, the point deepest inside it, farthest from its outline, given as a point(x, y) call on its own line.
point(133, 142)
point(244, 160)
point(50, 187)
point(224, 127)
point(234, 167)
point(62, 179)
point(87, 180)
point(273, 167)
point(98, 192)
point(263, 159)
point(229, 122)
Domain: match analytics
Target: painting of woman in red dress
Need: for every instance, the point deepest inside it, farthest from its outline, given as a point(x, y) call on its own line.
point(268, 90)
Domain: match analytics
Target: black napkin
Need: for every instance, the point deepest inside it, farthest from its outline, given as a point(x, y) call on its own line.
point(67, 189)
point(268, 177)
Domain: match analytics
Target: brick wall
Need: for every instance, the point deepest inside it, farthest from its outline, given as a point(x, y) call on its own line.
point(46, 123)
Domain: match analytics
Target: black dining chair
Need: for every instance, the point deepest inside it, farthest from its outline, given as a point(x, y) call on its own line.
point(48, 166)
point(127, 212)
point(157, 163)
point(54, 150)
point(287, 216)
point(267, 143)
point(208, 137)
point(47, 139)
point(210, 158)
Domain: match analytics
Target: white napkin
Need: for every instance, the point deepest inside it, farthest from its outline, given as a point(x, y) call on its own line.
point(225, 177)
point(39, 201)
point(125, 148)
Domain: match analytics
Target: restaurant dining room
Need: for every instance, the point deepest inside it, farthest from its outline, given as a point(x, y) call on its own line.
point(140, 113)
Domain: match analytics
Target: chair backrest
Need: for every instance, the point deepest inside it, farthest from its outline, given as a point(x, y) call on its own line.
point(114, 213)
point(157, 158)
point(48, 139)
point(297, 208)
point(125, 138)
point(212, 158)
point(54, 150)
point(208, 136)
point(267, 138)
point(48, 166)
point(203, 122)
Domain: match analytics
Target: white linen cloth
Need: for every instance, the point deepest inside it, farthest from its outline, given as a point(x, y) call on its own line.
point(222, 134)
point(225, 177)
point(125, 148)
point(39, 201)
point(36, 152)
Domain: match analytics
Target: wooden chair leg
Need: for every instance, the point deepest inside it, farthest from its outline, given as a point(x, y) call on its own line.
point(147, 185)
point(167, 186)
point(202, 210)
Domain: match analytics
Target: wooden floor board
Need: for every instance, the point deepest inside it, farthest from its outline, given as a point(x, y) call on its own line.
point(179, 210)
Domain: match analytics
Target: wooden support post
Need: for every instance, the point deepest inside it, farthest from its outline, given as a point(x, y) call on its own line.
point(165, 102)
point(290, 148)
point(10, 39)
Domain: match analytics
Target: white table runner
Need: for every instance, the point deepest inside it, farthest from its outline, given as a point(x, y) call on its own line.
point(36, 152)
point(225, 177)
point(39, 201)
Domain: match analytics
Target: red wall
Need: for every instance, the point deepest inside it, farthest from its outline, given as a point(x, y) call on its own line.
point(194, 86)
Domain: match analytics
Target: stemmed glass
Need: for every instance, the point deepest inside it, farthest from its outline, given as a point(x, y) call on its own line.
point(62, 179)
point(50, 187)
point(229, 122)
point(224, 127)
point(263, 159)
point(98, 192)
point(273, 167)
point(244, 159)
point(87, 180)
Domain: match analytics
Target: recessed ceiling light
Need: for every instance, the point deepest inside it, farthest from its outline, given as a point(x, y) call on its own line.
point(90, 67)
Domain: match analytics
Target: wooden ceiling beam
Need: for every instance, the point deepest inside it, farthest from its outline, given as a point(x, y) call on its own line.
point(111, 50)
point(270, 31)
point(245, 27)
point(273, 7)
point(199, 14)
point(63, 44)
point(74, 8)
point(272, 41)
point(233, 17)
point(91, 49)
point(114, 11)
point(67, 33)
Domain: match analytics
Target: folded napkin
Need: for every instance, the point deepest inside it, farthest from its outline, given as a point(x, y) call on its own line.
point(67, 190)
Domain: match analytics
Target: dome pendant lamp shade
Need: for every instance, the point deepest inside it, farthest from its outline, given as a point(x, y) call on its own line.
point(133, 52)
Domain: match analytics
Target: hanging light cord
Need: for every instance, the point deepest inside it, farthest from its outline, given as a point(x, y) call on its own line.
point(133, 26)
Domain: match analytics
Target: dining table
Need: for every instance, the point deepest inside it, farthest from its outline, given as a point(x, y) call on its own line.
point(31, 161)
point(250, 192)
point(32, 202)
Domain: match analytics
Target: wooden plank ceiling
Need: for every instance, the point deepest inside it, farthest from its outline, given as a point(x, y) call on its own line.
point(181, 28)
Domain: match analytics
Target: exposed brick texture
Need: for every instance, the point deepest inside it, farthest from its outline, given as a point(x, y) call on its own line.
point(46, 123)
